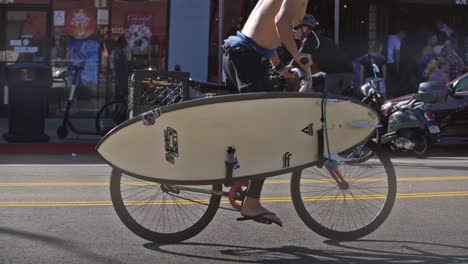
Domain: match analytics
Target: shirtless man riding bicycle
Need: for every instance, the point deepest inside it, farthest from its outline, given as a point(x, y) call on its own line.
point(246, 61)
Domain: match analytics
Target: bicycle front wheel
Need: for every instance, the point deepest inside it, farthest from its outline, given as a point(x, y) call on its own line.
point(162, 213)
point(351, 210)
point(111, 115)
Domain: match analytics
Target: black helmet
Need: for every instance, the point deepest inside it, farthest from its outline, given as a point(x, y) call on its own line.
point(308, 20)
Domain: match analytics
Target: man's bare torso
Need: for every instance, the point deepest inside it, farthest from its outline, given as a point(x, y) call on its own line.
point(260, 26)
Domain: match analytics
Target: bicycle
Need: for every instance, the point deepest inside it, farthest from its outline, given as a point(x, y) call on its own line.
point(342, 199)
point(111, 115)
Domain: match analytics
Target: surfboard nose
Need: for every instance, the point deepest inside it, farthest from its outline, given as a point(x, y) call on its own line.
point(111, 146)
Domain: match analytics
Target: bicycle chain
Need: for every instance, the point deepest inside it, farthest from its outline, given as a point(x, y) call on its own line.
point(188, 199)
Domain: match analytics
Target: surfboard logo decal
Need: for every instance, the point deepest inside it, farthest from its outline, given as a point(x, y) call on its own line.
point(149, 118)
point(171, 144)
point(286, 160)
point(309, 130)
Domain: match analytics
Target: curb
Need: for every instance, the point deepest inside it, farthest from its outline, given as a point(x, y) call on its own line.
point(48, 148)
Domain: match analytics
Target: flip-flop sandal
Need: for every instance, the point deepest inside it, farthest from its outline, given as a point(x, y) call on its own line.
point(262, 219)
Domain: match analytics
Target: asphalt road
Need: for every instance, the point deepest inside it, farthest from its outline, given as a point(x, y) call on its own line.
point(57, 209)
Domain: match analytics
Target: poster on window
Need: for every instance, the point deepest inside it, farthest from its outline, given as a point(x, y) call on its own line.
point(138, 32)
point(86, 53)
point(81, 24)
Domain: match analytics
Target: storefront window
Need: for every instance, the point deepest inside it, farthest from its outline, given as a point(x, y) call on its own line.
point(26, 36)
point(80, 34)
point(235, 14)
point(144, 26)
point(75, 41)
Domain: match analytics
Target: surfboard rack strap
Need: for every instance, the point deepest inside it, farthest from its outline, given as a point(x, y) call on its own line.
point(231, 164)
point(321, 148)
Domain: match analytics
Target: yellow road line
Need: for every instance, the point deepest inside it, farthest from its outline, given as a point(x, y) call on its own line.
point(106, 184)
point(225, 201)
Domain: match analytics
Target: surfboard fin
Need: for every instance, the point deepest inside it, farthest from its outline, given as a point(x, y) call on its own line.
point(364, 125)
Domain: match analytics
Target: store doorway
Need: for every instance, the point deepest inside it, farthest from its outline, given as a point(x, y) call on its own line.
point(24, 37)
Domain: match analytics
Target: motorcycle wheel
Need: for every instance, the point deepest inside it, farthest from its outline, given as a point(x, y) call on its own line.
point(422, 147)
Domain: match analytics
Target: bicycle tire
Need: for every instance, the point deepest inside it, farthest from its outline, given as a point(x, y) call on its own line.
point(328, 226)
point(131, 218)
point(115, 112)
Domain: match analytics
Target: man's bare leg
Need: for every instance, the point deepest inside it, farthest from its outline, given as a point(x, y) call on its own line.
point(252, 206)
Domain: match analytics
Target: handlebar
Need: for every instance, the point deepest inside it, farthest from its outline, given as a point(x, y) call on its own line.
point(298, 73)
point(305, 79)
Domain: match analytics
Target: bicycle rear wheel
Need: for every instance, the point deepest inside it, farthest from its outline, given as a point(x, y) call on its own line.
point(162, 213)
point(350, 211)
point(111, 115)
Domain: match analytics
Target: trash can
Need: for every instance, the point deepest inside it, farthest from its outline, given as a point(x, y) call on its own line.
point(27, 86)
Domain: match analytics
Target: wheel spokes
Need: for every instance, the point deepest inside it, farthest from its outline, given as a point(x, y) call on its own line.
point(351, 206)
point(160, 208)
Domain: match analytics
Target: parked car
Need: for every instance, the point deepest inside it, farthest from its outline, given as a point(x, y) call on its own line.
point(452, 113)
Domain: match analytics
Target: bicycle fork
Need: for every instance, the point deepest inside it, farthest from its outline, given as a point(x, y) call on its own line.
point(338, 177)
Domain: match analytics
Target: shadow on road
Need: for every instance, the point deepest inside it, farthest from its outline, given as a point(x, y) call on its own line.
point(69, 158)
point(415, 252)
point(58, 243)
point(445, 151)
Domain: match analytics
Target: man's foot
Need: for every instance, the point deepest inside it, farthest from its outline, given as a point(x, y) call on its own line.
point(253, 210)
point(264, 218)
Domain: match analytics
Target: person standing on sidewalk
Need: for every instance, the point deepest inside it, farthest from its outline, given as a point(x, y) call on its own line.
point(465, 53)
point(246, 62)
point(393, 61)
point(444, 28)
point(457, 66)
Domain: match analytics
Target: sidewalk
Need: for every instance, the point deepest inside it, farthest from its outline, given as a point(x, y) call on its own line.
point(72, 144)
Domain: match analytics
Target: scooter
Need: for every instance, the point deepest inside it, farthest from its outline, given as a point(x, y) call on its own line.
point(62, 131)
point(416, 127)
point(407, 126)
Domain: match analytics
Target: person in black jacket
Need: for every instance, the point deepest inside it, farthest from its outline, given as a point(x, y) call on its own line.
point(327, 56)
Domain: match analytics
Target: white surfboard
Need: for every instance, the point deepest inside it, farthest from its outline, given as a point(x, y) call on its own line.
point(272, 133)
